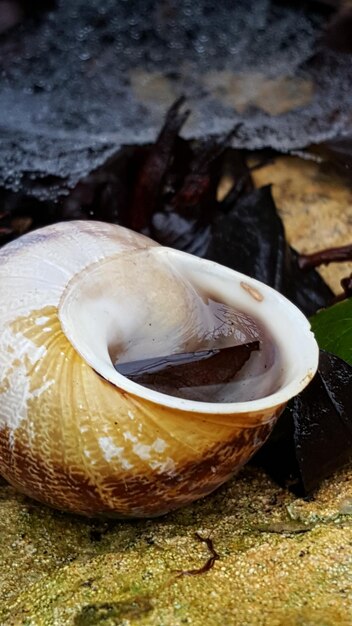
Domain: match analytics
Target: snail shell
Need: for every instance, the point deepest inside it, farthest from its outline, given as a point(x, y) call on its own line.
point(77, 435)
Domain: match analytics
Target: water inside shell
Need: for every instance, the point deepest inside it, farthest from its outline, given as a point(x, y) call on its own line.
point(144, 305)
point(234, 359)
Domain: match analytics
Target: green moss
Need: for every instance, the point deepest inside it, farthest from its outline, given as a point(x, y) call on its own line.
point(108, 614)
point(282, 562)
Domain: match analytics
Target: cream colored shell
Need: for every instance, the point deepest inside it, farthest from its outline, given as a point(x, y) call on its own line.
point(77, 435)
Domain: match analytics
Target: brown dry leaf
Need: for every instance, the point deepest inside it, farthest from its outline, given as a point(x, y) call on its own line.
point(273, 95)
point(316, 209)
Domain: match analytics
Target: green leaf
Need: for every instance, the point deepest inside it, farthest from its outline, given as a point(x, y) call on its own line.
point(333, 329)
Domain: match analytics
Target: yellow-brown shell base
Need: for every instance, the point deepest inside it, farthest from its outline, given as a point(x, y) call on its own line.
point(88, 447)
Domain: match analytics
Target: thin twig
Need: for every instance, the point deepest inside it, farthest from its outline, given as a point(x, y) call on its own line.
point(323, 257)
point(207, 565)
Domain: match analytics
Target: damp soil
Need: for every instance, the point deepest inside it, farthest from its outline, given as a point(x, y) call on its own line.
point(283, 556)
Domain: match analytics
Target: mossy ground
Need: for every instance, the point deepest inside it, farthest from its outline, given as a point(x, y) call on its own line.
point(283, 561)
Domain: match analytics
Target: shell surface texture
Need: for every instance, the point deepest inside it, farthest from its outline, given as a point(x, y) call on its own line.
point(81, 437)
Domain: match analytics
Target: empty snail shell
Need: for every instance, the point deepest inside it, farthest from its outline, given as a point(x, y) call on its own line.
point(78, 435)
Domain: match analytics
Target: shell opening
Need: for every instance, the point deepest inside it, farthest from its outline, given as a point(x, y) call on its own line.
point(153, 302)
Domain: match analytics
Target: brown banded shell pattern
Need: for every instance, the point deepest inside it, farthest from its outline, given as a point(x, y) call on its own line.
point(73, 440)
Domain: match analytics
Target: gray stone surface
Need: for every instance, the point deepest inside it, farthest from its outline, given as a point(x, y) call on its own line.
point(90, 77)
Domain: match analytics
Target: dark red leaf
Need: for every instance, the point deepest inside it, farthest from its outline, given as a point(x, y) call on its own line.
point(313, 437)
point(168, 374)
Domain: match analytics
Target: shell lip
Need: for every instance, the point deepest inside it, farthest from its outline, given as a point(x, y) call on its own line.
point(302, 371)
point(280, 397)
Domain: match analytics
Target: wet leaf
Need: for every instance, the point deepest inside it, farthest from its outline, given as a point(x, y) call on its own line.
point(313, 438)
point(249, 237)
point(333, 329)
point(150, 178)
point(186, 199)
point(183, 374)
point(316, 206)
